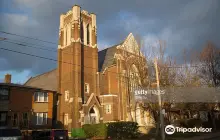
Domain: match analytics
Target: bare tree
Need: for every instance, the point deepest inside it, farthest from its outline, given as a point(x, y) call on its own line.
point(210, 61)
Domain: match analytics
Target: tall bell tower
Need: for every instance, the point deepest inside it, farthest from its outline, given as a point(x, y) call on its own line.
point(77, 64)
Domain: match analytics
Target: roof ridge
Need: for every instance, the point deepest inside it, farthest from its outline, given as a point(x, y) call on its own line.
point(28, 80)
point(44, 73)
point(113, 46)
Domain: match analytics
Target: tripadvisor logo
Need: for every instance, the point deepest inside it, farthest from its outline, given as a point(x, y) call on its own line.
point(170, 129)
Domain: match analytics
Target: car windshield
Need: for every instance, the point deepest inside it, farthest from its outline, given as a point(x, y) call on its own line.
point(9, 132)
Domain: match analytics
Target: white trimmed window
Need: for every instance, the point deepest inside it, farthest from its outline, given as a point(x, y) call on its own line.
point(66, 119)
point(41, 118)
point(108, 109)
point(86, 88)
point(40, 97)
point(67, 95)
point(4, 94)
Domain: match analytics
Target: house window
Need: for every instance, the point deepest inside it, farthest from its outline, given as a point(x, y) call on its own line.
point(66, 119)
point(86, 88)
point(40, 97)
point(108, 109)
point(25, 119)
point(41, 118)
point(3, 118)
point(14, 119)
point(4, 94)
point(67, 96)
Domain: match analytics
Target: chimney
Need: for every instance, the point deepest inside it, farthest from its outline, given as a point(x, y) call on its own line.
point(8, 78)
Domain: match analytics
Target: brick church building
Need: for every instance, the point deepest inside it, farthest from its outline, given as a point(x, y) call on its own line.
point(92, 83)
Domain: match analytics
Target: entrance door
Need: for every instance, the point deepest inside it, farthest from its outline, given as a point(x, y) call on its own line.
point(94, 115)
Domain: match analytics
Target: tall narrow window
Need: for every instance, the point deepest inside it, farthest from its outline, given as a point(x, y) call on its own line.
point(108, 109)
point(66, 35)
point(82, 32)
point(67, 96)
point(66, 119)
point(88, 35)
point(14, 119)
point(25, 119)
point(86, 88)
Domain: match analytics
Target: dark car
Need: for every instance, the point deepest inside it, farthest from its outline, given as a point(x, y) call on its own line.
point(10, 134)
point(50, 135)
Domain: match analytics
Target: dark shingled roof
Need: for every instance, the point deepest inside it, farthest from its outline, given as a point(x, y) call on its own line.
point(47, 81)
point(106, 57)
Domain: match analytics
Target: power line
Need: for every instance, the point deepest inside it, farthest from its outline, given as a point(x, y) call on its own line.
point(51, 59)
point(60, 61)
point(70, 53)
point(27, 37)
point(119, 74)
point(24, 45)
point(45, 49)
point(30, 43)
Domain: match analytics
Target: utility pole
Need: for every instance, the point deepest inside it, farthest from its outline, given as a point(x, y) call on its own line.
point(160, 104)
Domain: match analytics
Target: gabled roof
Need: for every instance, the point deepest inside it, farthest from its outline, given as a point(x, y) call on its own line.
point(46, 81)
point(106, 57)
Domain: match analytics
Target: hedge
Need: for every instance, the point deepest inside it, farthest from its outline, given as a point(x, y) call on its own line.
point(95, 130)
point(122, 130)
point(78, 133)
point(113, 130)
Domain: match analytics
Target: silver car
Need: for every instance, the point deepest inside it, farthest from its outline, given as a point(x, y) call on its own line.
point(10, 134)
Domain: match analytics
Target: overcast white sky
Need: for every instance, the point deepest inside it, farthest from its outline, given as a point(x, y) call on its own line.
point(181, 23)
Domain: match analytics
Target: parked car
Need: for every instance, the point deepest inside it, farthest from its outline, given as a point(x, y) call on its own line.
point(50, 135)
point(10, 134)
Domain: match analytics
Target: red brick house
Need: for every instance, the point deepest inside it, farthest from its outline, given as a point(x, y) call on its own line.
point(26, 107)
point(91, 82)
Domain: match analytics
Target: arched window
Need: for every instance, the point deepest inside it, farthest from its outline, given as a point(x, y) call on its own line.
point(88, 35)
point(82, 32)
